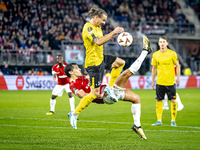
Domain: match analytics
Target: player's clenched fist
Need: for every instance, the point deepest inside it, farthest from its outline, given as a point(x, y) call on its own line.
point(118, 30)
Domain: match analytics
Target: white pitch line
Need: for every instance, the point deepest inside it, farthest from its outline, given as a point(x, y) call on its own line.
point(111, 122)
point(27, 126)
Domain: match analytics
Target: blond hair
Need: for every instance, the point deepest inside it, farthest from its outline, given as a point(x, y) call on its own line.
point(96, 12)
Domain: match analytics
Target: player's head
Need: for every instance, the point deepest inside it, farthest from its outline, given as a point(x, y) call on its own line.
point(98, 15)
point(72, 69)
point(163, 42)
point(59, 59)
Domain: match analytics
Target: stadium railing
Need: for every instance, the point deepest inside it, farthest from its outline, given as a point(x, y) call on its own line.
point(159, 28)
point(47, 57)
point(28, 57)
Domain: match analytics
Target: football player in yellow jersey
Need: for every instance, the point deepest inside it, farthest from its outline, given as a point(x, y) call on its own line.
point(163, 62)
point(96, 62)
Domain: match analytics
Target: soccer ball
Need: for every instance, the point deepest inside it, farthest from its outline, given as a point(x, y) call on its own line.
point(125, 39)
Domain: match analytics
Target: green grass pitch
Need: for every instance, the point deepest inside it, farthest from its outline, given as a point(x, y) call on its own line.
point(24, 124)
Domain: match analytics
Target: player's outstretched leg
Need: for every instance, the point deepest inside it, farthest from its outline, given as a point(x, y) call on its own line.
point(109, 91)
point(73, 119)
point(146, 45)
point(139, 131)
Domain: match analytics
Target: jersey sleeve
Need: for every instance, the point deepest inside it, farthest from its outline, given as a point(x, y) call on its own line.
point(153, 61)
point(75, 88)
point(53, 71)
point(65, 63)
point(175, 58)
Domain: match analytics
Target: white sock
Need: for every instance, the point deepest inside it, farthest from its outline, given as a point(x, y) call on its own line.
point(178, 100)
point(71, 102)
point(165, 102)
point(136, 110)
point(136, 65)
point(52, 104)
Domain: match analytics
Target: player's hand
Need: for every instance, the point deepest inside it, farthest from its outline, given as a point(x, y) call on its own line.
point(87, 77)
point(177, 81)
point(118, 30)
point(153, 85)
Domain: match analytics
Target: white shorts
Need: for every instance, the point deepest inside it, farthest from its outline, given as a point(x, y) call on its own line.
point(119, 92)
point(59, 89)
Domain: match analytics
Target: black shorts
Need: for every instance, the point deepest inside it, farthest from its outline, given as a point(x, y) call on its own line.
point(96, 72)
point(161, 90)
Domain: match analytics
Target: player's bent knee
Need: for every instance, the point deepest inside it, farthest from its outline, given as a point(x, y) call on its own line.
point(53, 97)
point(118, 62)
point(137, 99)
point(173, 101)
point(96, 93)
point(70, 94)
point(127, 73)
point(121, 62)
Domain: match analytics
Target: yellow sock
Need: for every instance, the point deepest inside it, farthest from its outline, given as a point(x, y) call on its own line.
point(159, 110)
point(114, 75)
point(174, 110)
point(85, 101)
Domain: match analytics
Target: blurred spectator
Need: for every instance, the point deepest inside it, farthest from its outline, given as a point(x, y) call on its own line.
point(148, 73)
point(1, 41)
point(6, 70)
point(3, 6)
point(23, 45)
point(40, 72)
point(194, 73)
point(46, 73)
point(32, 71)
point(16, 72)
point(187, 72)
point(29, 73)
point(77, 37)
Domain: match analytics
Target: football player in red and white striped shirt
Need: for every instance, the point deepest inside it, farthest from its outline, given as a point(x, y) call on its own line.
point(62, 85)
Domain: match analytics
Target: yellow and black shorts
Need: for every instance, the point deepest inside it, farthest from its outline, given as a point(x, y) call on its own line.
point(161, 90)
point(96, 72)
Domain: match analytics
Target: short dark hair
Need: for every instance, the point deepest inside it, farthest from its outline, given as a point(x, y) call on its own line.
point(96, 12)
point(59, 55)
point(69, 68)
point(163, 37)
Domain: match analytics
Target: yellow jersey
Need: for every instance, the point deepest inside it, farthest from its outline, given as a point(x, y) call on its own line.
point(165, 66)
point(94, 53)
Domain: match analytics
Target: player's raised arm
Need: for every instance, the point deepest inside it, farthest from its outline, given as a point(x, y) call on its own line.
point(107, 37)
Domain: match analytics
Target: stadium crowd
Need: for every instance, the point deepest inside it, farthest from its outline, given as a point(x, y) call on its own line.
point(148, 12)
point(33, 71)
point(32, 26)
point(194, 4)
